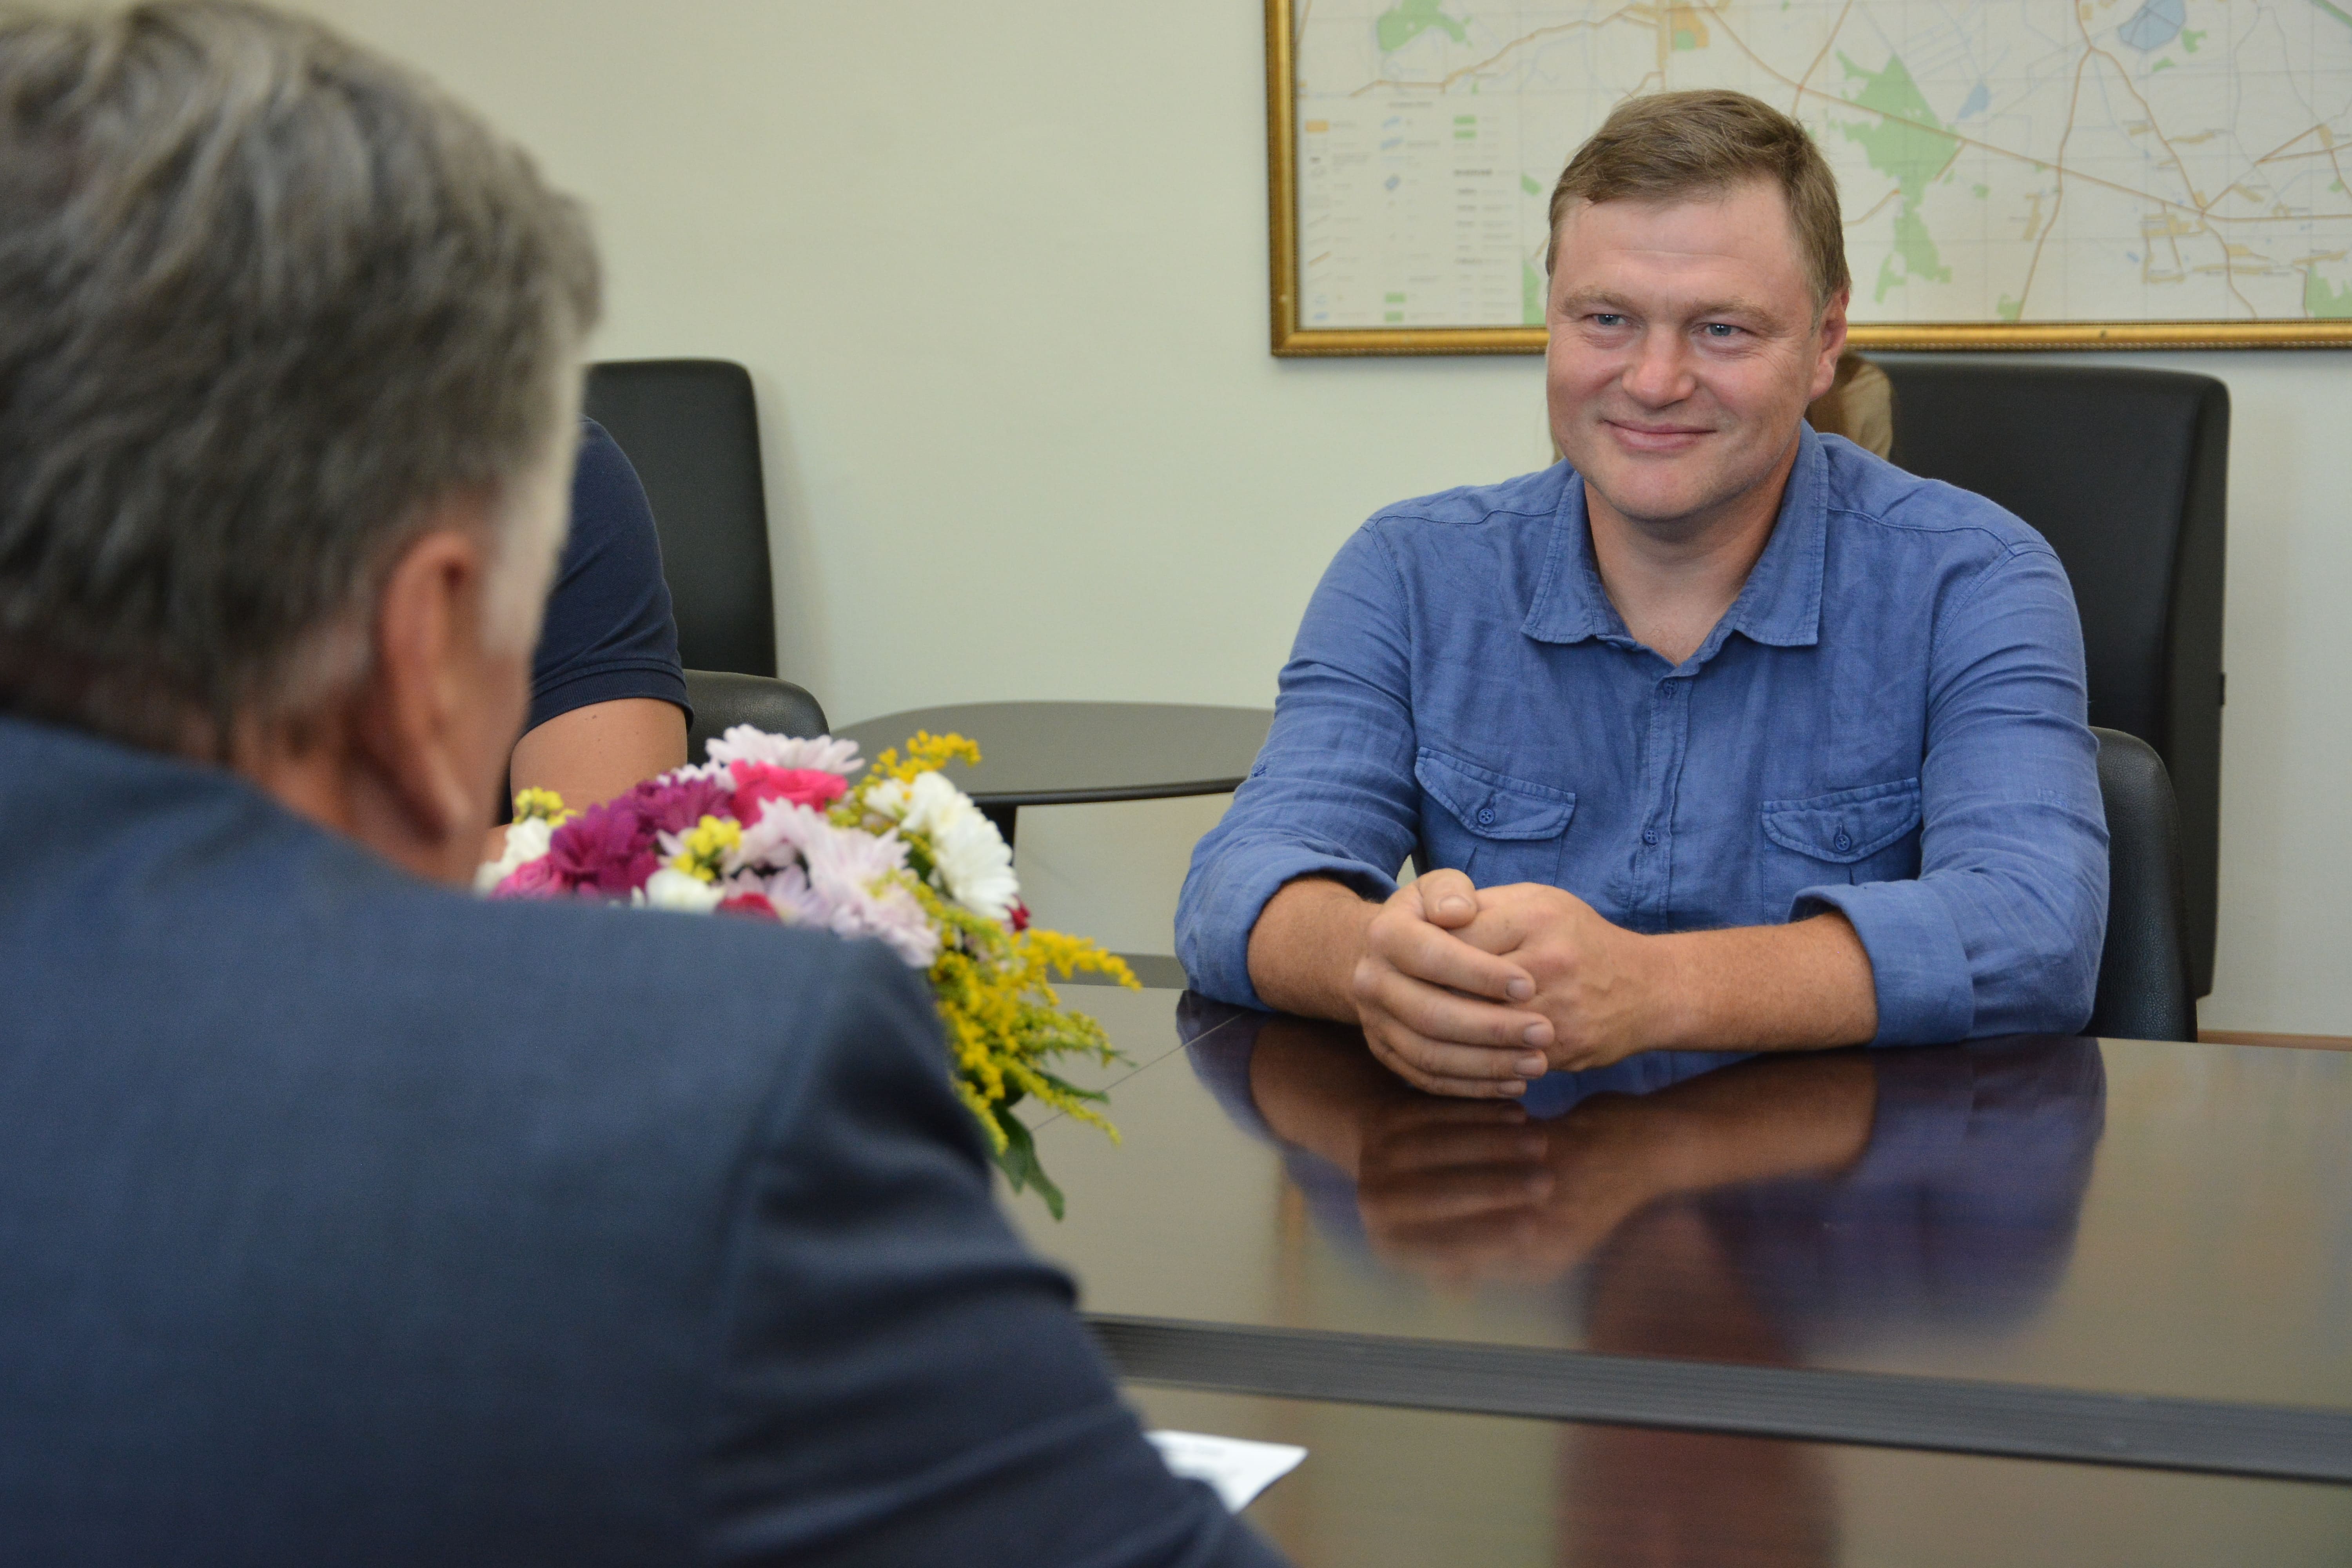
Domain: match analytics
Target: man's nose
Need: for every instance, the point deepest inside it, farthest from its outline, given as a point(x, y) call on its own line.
point(1660, 372)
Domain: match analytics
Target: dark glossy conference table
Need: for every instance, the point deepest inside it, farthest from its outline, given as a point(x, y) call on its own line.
point(2022, 1301)
point(1083, 754)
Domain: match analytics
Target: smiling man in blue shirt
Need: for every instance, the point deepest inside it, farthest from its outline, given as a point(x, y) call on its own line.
point(1720, 735)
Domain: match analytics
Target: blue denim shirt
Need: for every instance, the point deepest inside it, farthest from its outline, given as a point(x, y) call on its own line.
point(1889, 721)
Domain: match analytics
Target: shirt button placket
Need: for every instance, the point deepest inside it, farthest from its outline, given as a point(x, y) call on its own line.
point(1669, 736)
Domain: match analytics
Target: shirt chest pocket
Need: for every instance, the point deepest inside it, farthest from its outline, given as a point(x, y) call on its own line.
point(1495, 827)
point(1865, 834)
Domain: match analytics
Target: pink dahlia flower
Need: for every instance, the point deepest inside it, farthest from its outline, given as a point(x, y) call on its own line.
point(756, 784)
point(605, 849)
point(675, 803)
point(534, 878)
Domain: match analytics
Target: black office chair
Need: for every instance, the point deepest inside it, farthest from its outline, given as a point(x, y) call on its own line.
point(2144, 971)
point(691, 429)
point(724, 699)
point(2123, 471)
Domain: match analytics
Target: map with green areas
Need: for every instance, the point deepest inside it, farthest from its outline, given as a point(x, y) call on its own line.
point(2002, 161)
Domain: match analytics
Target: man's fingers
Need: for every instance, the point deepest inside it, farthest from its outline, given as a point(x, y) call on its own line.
point(1448, 898)
point(1424, 952)
point(1436, 1014)
point(1511, 916)
point(1494, 932)
point(1502, 928)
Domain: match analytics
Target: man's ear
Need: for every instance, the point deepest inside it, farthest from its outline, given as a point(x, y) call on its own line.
point(410, 729)
point(1833, 342)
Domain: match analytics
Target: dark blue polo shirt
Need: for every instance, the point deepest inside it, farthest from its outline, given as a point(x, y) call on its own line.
point(608, 633)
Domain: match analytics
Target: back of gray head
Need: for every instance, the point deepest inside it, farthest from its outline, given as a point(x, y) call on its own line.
point(265, 298)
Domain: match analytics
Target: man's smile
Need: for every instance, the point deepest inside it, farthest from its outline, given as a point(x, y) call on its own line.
point(1653, 438)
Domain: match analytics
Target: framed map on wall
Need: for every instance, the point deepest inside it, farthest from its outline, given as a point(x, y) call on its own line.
point(2016, 174)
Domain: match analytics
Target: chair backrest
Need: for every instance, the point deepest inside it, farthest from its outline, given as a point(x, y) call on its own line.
point(2144, 971)
point(2124, 471)
point(691, 429)
point(723, 700)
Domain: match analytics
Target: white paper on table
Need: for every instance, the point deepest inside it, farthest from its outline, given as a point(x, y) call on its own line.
point(1238, 1468)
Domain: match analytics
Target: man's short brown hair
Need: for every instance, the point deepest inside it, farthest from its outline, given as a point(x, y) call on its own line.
point(1672, 146)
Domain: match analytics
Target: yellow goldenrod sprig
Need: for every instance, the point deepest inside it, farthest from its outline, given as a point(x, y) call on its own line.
point(994, 987)
point(926, 753)
point(705, 847)
point(1005, 1025)
point(542, 805)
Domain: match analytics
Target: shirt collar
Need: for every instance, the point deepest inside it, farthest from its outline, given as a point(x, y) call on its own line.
point(1779, 605)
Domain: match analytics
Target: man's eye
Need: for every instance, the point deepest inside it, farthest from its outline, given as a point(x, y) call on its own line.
point(1606, 319)
point(1720, 330)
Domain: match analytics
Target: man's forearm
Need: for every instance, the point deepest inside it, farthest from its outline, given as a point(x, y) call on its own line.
point(1304, 947)
point(1801, 986)
point(1598, 993)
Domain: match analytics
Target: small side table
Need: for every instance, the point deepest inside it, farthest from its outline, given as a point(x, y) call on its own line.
point(1077, 753)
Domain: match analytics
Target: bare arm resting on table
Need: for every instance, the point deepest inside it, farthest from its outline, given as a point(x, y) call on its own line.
point(1470, 992)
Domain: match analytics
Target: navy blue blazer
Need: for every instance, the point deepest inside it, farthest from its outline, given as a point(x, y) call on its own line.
point(349, 1219)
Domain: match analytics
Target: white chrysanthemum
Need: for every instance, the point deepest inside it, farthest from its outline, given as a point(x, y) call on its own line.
point(972, 862)
point(925, 805)
point(825, 754)
point(671, 889)
point(975, 864)
point(888, 799)
point(526, 840)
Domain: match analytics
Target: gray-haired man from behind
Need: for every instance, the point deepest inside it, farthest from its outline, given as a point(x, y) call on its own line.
point(348, 1219)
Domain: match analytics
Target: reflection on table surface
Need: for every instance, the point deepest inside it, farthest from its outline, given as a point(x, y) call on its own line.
point(1721, 1210)
point(1382, 1486)
point(2123, 1215)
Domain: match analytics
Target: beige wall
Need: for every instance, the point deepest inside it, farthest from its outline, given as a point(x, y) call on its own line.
point(999, 271)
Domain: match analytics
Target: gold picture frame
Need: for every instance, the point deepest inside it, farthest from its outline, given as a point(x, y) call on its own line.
point(1290, 339)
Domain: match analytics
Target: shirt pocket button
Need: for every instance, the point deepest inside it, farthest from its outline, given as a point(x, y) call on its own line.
point(1844, 843)
point(1485, 816)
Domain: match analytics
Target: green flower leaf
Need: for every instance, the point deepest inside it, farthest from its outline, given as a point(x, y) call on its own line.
point(1018, 1161)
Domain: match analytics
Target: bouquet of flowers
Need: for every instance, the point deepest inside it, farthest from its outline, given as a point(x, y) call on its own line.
point(773, 830)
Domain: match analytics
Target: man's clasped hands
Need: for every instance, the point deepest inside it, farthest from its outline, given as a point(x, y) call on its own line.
point(1473, 991)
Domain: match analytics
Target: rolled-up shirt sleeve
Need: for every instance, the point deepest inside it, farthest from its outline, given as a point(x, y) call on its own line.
point(1332, 795)
point(2001, 930)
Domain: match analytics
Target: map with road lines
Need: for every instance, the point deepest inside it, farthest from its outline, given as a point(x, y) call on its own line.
point(2021, 161)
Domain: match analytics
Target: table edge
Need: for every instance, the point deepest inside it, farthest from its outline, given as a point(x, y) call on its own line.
point(1871, 1409)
